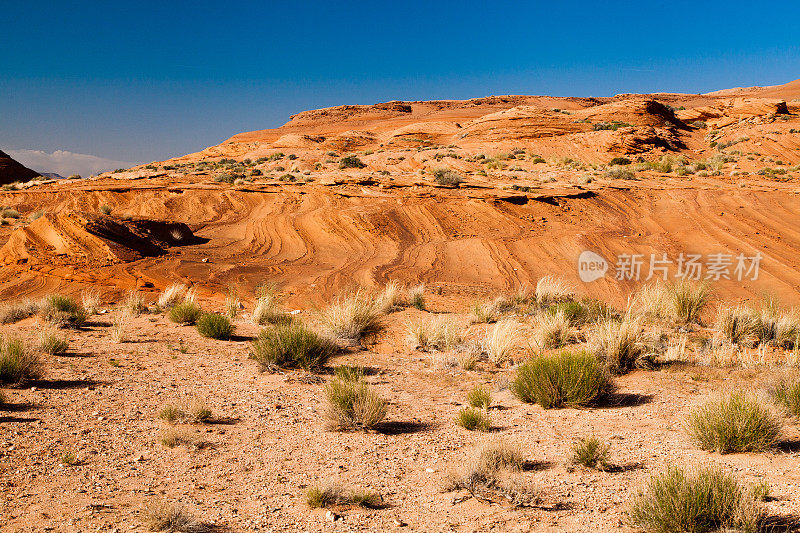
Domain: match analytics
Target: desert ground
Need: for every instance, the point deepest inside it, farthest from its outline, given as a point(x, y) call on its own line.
point(464, 217)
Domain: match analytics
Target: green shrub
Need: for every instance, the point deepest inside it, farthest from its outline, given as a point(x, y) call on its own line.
point(591, 452)
point(185, 312)
point(620, 161)
point(479, 397)
point(290, 346)
point(695, 502)
point(566, 379)
point(63, 311)
point(474, 419)
point(215, 326)
point(17, 362)
point(352, 404)
point(581, 312)
point(351, 161)
point(736, 422)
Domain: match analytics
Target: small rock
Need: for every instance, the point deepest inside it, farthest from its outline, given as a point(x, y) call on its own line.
point(205, 260)
point(430, 470)
point(330, 516)
point(399, 523)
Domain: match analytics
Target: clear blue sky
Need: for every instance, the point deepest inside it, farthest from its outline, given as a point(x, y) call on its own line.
point(141, 81)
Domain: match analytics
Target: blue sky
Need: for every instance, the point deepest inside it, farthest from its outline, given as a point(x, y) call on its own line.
point(142, 81)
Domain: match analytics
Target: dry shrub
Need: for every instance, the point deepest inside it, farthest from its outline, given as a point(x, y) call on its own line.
point(736, 422)
point(333, 494)
point(434, 332)
point(119, 326)
point(269, 310)
point(566, 379)
point(701, 500)
point(195, 411)
point(134, 303)
point(14, 312)
point(391, 297)
point(172, 518)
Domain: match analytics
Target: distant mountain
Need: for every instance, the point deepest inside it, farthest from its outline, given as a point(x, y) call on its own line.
point(53, 175)
point(11, 170)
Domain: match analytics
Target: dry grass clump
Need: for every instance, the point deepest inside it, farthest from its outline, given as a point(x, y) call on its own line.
point(785, 390)
point(215, 326)
point(551, 290)
point(501, 342)
point(474, 419)
point(171, 295)
point(566, 379)
point(134, 303)
point(737, 325)
point(416, 296)
point(553, 330)
point(391, 297)
point(17, 362)
point(172, 518)
point(352, 404)
point(179, 436)
point(185, 313)
point(354, 316)
point(63, 311)
point(687, 300)
point(292, 345)
point(591, 452)
point(90, 298)
point(434, 332)
point(196, 411)
point(621, 344)
point(702, 500)
point(479, 397)
point(736, 422)
point(119, 326)
point(51, 343)
point(580, 313)
point(330, 494)
point(232, 304)
point(14, 312)
point(682, 301)
point(269, 310)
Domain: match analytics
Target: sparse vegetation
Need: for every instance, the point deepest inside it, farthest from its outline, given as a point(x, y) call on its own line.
point(171, 296)
point(551, 290)
point(474, 419)
point(352, 404)
point(63, 311)
point(292, 345)
point(51, 343)
point(553, 330)
point(185, 313)
point(172, 518)
point(736, 422)
point(416, 297)
point(566, 379)
point(434, 332)
point(354, 316)
point(14, 312)
point(447, 178)
point(621, 344)
point(17, 362)
point(351, 161)
point(703, 500)
point(591, 452)
point(215, 326)
point(500, 343)
point(786, 393)
point(479, 397)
